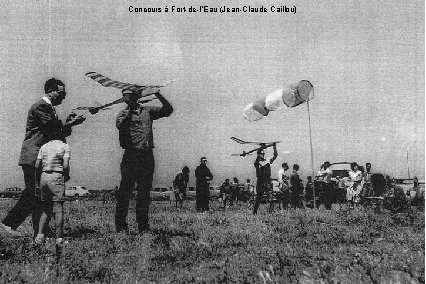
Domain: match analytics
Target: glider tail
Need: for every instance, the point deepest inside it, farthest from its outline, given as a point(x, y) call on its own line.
point(238, 140)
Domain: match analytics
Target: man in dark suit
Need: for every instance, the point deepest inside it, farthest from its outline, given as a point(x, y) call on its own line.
point(41, 121)
point(203, 177)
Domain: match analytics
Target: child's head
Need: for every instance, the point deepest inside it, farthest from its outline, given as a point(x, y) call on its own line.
point(55, 135)
point(185, 170)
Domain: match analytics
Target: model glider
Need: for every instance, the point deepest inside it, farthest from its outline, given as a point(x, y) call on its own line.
point(142, 90)
point(291, 96)
point(263, 145)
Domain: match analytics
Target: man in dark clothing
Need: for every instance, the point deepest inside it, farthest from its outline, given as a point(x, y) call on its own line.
point(203, 177)
point(235, 192)
point(179, 184)
point(263, 174)
point(225, 190)
point(367, 190)
point(296, 188)
point(42, 121)
point(309, 188)
point(137, 166)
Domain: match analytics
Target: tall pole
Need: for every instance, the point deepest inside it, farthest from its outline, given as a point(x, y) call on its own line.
point(312, 153)
point(408, 166)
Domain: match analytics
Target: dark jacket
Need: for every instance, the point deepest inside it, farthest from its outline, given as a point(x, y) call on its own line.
point(41, 122)
point(202, 173)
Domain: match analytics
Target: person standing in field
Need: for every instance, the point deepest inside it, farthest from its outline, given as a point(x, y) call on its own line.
point(137, 166)
point(418, 199)
point(225, 192)
point(203, 177)
point(246, 190)
point(179, 185)
point(235, 192)
point(328, 192)
point(52, 171)
point(354, 189)
point(42, 121)
point(263, 174)
point(284, 185)
point(309, 190)
point(247, 185)
point(296, 188)
point(366, 181)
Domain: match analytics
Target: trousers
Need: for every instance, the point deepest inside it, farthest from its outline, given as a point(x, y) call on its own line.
point(202, 198)
point(28, 204)
point(137, 167)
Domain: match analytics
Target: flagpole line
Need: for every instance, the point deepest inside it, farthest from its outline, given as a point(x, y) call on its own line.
point(312, 154)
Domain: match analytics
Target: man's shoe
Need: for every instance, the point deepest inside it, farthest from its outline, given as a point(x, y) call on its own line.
point(8, 231)
point(39, 239)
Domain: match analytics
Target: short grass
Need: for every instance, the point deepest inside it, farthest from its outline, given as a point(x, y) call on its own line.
point(231, 246)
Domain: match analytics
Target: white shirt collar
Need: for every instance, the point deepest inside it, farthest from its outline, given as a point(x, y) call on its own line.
point(47, 100)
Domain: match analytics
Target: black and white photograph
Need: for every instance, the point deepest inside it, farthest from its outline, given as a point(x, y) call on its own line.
point(248, 141)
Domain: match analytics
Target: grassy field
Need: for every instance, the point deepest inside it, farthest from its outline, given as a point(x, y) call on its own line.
point(232, 246)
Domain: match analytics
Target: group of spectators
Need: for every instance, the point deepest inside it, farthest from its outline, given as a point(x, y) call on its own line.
point(357, 185)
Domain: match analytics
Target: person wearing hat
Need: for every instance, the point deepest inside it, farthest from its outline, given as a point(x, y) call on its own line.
point(42, 121)
point(134, 124)
point(203, 177)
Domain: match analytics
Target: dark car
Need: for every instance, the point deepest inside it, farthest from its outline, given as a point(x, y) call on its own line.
point(11, 192)
point(340, 169)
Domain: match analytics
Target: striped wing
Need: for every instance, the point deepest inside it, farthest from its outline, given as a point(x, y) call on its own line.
point(239, 141)
point(107, 82)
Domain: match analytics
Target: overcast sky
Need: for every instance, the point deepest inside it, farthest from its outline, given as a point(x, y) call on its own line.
point(364, 59)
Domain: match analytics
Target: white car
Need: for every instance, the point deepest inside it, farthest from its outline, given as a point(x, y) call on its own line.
point(214, 192)
point(76, 191)
point(161, 193)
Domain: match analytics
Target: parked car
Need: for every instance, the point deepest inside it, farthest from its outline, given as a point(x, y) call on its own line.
point(214, 192)
point(408, 186)
point(340, 169)
point(76, 191)
point(161, 193)
point(11, 192)
point(190, 192)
